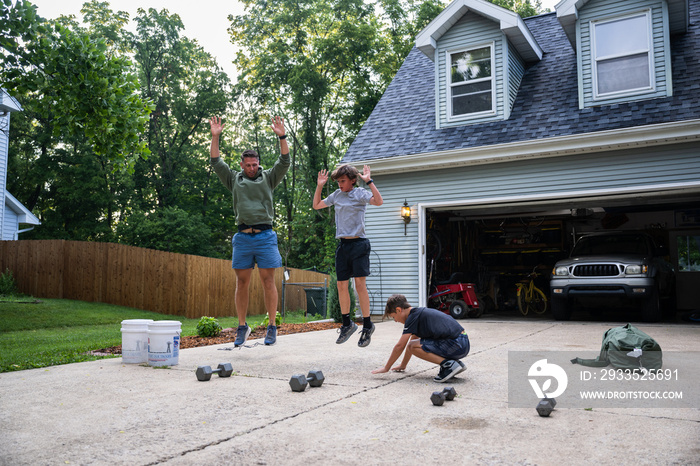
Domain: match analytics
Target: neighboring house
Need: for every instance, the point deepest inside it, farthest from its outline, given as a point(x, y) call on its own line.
point(507, 137)
point(12, 212)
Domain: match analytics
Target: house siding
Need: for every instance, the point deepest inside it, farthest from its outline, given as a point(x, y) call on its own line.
point(470, 30)
point(399, 255)
point(4, 140)
point(602, 9)
point(514, 72)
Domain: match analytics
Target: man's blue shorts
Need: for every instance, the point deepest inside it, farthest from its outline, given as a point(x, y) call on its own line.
point(455, 348)
point(252, 248)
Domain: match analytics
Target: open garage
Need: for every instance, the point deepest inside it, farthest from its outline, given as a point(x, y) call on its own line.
point(496, 245)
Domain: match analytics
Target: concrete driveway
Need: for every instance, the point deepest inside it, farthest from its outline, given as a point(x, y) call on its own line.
point(107, 412)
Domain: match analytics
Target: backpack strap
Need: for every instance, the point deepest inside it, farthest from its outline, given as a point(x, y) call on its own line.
point(597, 362)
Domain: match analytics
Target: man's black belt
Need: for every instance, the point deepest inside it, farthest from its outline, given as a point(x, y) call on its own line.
point(258, 227)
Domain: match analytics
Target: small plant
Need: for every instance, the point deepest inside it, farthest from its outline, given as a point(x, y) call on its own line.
point(208, 327)
point(266, 321)
point(7, 283)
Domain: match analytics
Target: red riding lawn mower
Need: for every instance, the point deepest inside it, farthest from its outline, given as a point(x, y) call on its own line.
point(456, 299)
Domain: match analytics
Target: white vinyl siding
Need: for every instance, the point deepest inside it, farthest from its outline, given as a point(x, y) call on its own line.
point(600, 12)
point(471, 31)
point(551, 177)
point(514, 75)
point(4, 142)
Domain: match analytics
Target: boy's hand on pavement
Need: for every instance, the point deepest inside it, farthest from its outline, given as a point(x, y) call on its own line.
point(398, 368)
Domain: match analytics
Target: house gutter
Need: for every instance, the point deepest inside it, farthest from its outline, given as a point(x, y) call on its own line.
point(560, 146)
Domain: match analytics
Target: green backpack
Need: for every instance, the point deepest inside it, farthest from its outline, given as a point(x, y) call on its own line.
point(626, 347)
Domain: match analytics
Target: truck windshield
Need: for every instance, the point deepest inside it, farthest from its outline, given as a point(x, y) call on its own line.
point(610, 244)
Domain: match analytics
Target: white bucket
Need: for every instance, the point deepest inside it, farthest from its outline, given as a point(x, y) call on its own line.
point(164, 342)
point(135, 341)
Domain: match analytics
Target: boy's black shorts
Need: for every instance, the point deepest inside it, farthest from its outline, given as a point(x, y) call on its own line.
point(352, 258)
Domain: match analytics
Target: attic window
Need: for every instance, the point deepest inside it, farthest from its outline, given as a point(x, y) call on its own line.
point(471, 84)
point(622, 62)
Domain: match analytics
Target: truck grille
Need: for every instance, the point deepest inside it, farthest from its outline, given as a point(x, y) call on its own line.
point(598, 270)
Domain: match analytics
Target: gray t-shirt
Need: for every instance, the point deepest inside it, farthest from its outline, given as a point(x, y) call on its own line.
point(349, 211)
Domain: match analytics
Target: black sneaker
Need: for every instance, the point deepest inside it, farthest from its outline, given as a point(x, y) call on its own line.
point(365, 336)
point(345, 332)
point(448, 369)
point(241, 335)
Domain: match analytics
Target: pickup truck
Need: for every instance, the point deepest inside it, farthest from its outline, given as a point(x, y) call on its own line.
point(628, 266)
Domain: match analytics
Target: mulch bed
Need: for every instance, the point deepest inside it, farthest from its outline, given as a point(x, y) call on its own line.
point(228, 335)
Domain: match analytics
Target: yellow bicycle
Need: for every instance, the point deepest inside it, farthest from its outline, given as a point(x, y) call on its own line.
point(531, 298)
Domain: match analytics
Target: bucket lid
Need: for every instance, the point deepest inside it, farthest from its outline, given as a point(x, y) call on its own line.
point(137, 321)
point(164, 323)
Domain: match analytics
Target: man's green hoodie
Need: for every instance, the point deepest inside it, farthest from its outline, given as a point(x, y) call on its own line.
point(252, 198)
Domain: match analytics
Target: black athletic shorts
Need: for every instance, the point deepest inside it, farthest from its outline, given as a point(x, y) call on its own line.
point(352, 258)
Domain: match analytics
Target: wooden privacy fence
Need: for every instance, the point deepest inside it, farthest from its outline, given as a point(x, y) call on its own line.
point(164, 282)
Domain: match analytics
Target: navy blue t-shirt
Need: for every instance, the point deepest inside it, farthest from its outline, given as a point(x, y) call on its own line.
point(432, 324)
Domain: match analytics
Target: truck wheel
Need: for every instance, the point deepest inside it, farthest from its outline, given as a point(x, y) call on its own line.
point(560, 308)
point(651, 308)
point(458, 309)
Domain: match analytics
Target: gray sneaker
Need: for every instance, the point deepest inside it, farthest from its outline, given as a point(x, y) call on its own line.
point(345, 332)
point(241, 335)
point(365, 336)
point(271, 336)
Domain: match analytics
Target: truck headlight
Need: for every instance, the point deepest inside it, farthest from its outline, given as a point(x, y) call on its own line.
point(636, 269)
point(561, 271)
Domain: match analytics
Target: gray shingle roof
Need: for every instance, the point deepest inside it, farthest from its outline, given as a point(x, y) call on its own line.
point(403, 122)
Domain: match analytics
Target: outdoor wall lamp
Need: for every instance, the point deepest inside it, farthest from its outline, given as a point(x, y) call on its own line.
point(406, 216)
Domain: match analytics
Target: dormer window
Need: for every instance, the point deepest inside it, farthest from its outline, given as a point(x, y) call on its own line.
point(471, 82)
point(622, 56)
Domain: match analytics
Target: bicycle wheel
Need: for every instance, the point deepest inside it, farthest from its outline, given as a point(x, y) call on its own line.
point(538, 301)
point(522, 299)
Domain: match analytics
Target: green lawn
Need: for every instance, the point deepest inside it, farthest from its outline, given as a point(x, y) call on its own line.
point(39, 333)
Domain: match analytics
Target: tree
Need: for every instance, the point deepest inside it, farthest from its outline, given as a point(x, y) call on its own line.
point(84, 89)
point(323, 65)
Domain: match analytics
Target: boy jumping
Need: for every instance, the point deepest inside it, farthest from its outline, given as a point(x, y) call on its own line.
point(429, 334)
point(352, 254)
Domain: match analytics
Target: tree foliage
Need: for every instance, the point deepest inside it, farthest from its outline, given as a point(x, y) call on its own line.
point(86, 91)
point(113, 142)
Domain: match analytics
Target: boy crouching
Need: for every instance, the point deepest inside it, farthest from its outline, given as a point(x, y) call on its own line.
point(430, 335)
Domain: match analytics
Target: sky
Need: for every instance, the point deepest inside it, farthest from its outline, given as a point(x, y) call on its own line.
point(206, 20)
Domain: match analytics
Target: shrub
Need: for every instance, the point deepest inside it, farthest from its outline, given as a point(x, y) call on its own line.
point(208, 327)
point(266, 321)
point(333, 302)
point(7, 283)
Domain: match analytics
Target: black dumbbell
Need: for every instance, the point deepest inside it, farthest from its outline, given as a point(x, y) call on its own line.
point(298, 382)
point(546, 406)
point(447, 393)
point(204, 372)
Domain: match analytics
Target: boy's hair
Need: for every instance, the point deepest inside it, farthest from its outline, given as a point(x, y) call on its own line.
point(345, 170)
point(394, 301)
point(249, 153)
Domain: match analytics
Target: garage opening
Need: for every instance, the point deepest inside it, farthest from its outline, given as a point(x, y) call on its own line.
point(500, 247)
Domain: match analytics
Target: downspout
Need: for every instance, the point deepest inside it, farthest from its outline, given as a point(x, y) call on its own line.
point(16, 235)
